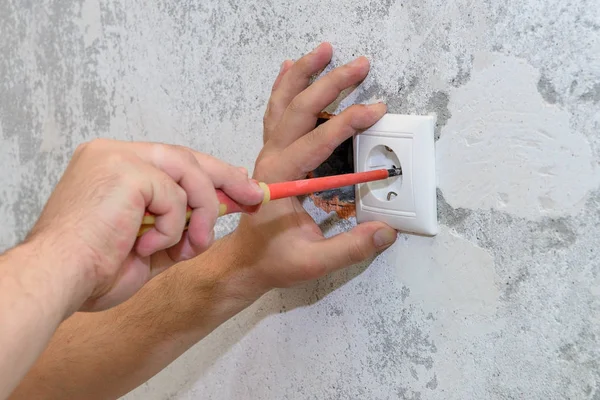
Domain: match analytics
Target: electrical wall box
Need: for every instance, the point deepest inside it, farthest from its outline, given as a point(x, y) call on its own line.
point(406, 202)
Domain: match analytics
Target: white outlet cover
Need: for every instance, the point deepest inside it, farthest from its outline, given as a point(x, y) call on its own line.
point(408, 202)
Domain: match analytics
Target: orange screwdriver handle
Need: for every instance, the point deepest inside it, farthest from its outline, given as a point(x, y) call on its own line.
point(306, 186)
point(226, 206)
point(282, 190)
point(229, 206)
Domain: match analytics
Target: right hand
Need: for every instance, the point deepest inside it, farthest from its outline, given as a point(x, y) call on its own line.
point(281, 245)
point(93, 216)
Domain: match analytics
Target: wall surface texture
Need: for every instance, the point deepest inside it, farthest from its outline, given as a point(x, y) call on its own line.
point(503, 304)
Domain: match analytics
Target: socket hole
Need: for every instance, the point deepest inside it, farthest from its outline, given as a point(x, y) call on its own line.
point(384, 157)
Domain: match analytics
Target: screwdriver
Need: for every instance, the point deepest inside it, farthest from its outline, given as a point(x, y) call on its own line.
point(281, 190)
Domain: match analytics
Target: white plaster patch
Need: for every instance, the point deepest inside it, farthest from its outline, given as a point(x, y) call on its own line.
point(447, 275)
point(505, 148)
point(454, 284)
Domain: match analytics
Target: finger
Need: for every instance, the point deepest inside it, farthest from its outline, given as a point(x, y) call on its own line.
point(285, 67)
point(230, 179)
point(162, 260)
point(234, 181)
point(132, 276)
point(296, 80)
point(270, 118)
point(167, 200)
point(184, 250)
point(301, 115)
point(182, 165)
point(311, 150)
point(345, 249)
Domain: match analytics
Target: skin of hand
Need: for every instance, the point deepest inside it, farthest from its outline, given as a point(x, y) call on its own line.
point(98, 205)
point(83, 253)
point(105, 355)
point(287, 246)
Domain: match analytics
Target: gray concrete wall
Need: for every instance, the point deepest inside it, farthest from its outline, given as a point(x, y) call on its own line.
point(503, 304)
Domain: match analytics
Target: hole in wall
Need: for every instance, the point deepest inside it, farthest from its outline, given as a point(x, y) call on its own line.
point(383, 157)
point(341, 161)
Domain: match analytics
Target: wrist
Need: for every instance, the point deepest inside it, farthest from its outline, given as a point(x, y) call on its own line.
point(241, 278)
point(226, 276)
point(55, 265)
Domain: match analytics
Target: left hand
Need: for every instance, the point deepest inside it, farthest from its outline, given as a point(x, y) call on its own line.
point(281, 245)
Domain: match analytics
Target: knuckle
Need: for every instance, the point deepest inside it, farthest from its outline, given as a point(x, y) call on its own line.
point(187, 159)
point(322, 138)
point(272, 105)
point(183, 153)
point(330, 145)
point(200, 240)
point(187, 155)
point(81, 148)
point(313, 137)
point(161, 186)
point(174, 238)
point(296, 106)
point(358, 115)
point(93, 144)
point(268, 110)
point(181, 196)
point(336, 79)
point(115, 160)
point(119, 157)
point(159, 153)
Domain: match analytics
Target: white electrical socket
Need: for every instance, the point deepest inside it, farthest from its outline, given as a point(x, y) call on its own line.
point(406, 202)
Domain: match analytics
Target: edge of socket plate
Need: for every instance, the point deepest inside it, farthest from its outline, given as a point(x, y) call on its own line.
point(414, 208)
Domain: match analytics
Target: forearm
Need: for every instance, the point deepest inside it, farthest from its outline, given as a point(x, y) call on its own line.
point(105, 355)
point(38, 289)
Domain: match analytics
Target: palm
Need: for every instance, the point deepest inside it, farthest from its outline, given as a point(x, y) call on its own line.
point(282, 242)
point(280, 230)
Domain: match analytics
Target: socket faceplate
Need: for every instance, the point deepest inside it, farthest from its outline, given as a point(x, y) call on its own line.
point(407, 203)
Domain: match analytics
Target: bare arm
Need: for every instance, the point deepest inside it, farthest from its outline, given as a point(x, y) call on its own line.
point(84, 254)
point(38, 289)
point(106, 355)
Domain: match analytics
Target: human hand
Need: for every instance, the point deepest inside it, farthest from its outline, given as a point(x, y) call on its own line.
point(281, 245)
point(93, 216)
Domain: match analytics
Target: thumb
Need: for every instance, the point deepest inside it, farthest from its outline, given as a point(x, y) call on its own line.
point(348, 248)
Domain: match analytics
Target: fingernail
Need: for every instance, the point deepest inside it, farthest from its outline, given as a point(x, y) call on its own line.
point(256, 187)
point(357, 62)
point(282, 67)
point(354, 63)
point(384, 237)
point(378, 107)
point(316, 50)
point(243, 170)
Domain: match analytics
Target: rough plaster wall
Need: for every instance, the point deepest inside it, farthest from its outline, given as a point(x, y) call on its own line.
point(503, 304)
